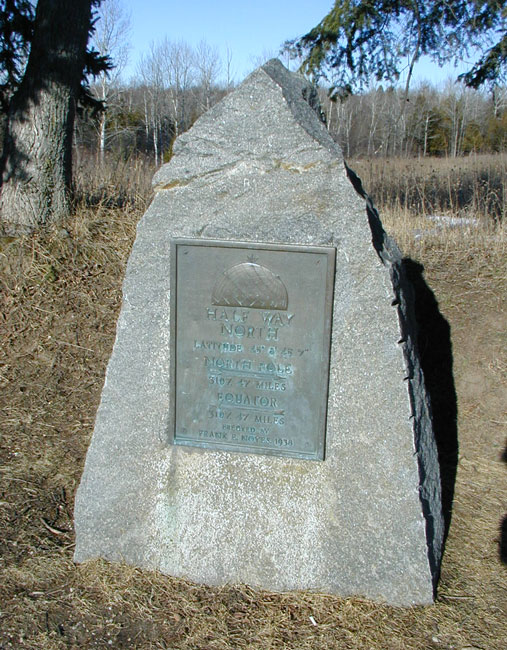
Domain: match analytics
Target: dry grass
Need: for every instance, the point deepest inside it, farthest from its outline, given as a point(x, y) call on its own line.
point(120, 183)
point(475, 186)
point(60, 293)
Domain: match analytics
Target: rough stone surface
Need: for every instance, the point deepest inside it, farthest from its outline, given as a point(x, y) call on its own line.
point(261, 167)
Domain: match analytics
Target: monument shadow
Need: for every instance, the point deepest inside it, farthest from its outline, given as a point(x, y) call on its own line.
point(503, 540)
point(503, 527)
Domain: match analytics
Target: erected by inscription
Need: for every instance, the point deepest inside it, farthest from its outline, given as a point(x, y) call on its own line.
point(251, 328)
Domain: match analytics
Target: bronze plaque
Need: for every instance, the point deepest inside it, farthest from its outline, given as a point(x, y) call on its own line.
point(250, 337)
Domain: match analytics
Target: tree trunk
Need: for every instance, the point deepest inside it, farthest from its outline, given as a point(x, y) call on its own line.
point(36, 166)
point(102, 137)
point(155, 141)
point(426, 130)
point(103, 118)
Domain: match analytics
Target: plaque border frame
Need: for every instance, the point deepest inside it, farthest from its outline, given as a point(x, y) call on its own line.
point(330, 252)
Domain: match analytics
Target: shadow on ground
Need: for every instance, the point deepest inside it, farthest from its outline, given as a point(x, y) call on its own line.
point(503, 526)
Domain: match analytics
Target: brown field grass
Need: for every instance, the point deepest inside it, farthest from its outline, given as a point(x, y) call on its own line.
point(474, 186)
point(60, 296)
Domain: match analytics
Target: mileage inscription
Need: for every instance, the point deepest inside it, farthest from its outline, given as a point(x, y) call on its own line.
point(250, 337)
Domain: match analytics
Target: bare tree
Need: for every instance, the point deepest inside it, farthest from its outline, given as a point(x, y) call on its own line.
point(457, 108)
point(152, 79)
point(229, 75)
point(179, 74)
point(111, 36)
point(208, 67)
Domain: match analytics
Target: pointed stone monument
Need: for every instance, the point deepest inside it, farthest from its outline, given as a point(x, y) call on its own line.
point(264, 418)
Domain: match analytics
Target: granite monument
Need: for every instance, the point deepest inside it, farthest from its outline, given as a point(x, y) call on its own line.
point(264, 418)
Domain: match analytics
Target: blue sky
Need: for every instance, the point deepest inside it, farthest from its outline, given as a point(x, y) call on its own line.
point(248, 29)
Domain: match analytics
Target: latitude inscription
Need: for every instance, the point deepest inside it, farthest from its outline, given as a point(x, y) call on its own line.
point(250, 337)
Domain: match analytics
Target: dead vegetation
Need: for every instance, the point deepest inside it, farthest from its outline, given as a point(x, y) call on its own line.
point(473, 187)
point(60, 296)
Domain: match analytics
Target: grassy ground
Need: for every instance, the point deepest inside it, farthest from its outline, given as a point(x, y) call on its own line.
point(60, 296)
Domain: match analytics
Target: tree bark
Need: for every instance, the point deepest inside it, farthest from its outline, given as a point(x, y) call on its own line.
point(36, 165)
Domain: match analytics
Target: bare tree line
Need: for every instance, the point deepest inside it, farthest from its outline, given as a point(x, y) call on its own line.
point(175, 83)
point(174, 88)
point(448, 121)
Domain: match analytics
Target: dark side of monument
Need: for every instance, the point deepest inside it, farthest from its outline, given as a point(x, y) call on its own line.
point(264, 418)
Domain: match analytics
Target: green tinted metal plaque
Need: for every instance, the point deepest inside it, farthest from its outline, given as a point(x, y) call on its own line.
point(251, 327)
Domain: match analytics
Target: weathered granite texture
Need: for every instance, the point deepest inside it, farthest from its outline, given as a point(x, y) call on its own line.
point(261, 167)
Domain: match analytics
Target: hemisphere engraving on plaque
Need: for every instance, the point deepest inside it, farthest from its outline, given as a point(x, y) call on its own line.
point(250, 285)
point(251, 327)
